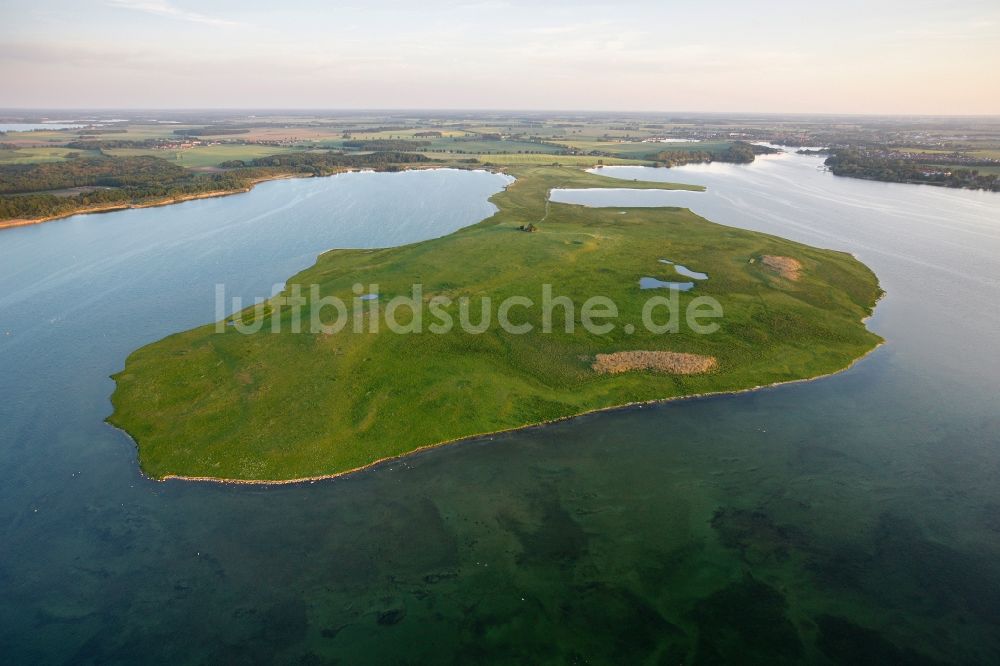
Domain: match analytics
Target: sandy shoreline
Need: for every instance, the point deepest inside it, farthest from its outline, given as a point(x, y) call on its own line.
point(467, 438)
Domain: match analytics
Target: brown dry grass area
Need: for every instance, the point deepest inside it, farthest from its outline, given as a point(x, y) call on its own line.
point(675, 363)
point(785, 266)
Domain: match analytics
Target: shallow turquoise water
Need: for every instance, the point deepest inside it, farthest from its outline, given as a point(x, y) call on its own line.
point(852, 518)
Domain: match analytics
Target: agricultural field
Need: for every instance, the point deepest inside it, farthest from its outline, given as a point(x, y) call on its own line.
point(35, 155)
point(991, 154)
point(204, 156)
point(38, 138)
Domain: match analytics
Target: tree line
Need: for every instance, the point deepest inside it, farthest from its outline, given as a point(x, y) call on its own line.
point(329, 162)
point(385, 144)
point(137, 171)
point(738, 152)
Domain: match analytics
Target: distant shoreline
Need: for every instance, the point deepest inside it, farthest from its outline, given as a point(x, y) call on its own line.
point(168, 201)
point(152, 203)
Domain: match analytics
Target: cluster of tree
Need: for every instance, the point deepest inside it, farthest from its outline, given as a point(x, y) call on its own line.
point(211, 131)
point(30, 206)
point(738, 152)
point(856, 163)
point(672, 158)
point(433, 134)
point(101, 144)
point(329, 162)
point(741, 152)
point(38, 205)
point(385, 144)
point(140, 171)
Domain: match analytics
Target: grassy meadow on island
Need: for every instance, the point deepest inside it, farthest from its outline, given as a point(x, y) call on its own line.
point(290, 405)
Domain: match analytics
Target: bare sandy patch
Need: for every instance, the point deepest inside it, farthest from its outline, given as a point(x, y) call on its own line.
point(786, 267)
point(674, 363)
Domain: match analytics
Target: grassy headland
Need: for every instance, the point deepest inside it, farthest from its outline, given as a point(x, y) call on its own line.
point(286, 405)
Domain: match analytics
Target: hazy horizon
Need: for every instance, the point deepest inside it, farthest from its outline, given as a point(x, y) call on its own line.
point(304, 110)
point(899, 58)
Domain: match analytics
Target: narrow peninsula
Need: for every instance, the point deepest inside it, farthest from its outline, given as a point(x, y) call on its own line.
point(279, 405)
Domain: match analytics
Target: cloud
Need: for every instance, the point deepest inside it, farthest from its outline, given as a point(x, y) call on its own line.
point(558, 29)
point(973, 28)
point(166, 8)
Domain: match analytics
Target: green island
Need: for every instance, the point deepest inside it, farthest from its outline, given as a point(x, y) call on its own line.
point(282, 406)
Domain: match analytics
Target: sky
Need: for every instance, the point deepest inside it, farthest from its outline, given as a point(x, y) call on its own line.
point(888, 57)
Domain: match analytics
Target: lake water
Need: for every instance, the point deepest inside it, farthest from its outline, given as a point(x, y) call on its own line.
point(28, 127)
point(687, 272)
point(654, 283)
point(853, 517)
